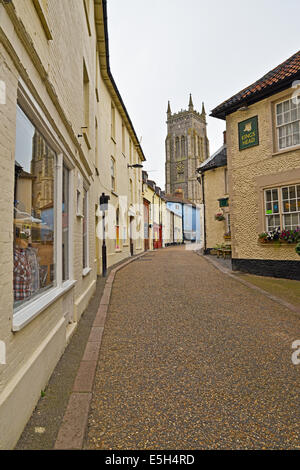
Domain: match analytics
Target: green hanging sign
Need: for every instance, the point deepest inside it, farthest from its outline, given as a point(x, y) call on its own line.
point(248, 133)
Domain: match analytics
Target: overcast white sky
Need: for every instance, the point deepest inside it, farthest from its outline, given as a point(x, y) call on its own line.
point(163, 50)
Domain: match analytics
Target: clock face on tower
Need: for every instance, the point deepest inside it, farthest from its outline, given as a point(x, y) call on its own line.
point(180, 168)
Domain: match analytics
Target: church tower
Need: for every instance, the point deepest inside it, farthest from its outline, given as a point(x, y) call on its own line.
point(187, 147)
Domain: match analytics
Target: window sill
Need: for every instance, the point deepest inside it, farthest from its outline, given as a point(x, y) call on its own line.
point(86, 271)
point(287, 150)
point(31, 311)
point(115, 194)
point(277, 243)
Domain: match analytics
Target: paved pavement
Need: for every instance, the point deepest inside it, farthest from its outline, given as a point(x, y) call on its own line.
point(192, 359)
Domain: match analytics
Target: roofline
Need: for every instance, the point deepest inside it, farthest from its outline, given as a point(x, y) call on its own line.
point(203, 170)
point(105, 44)
point(221, 112)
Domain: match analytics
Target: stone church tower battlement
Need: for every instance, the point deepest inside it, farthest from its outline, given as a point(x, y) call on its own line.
point(187, 147)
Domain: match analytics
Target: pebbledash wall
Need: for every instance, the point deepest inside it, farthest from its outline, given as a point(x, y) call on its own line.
point(53, 65)
point(251, 172)
point(215, 188)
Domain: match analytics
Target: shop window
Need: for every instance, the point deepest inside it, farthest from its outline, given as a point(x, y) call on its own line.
point(34, 206)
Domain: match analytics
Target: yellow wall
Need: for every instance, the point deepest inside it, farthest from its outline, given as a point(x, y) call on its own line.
point(214, 187)
point(253, 170)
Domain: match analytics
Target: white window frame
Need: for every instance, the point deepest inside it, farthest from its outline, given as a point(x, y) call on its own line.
point(297, 199)
point(272, 202)
point(24, 314)
point(280, 201)
point(285, 125)
point(86, 269)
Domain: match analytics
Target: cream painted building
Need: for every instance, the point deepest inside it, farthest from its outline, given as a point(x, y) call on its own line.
point(152, 215)
point(162, 227)
point(66, 138)
point(263, 156)
point(118, 152)
point(214, 181)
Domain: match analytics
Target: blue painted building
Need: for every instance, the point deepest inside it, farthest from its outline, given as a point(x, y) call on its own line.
point(190, 215)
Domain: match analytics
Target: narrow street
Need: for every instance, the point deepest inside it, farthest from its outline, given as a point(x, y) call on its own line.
point(192, 359)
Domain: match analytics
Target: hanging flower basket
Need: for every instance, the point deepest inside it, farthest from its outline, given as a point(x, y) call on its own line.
point(219, 216)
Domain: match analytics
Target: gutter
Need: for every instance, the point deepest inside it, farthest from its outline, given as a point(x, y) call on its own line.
point(225, 110)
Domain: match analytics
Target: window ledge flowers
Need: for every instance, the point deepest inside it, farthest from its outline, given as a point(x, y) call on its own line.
point(281, 237)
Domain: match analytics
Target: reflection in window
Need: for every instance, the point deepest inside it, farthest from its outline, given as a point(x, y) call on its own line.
point(33, 212)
